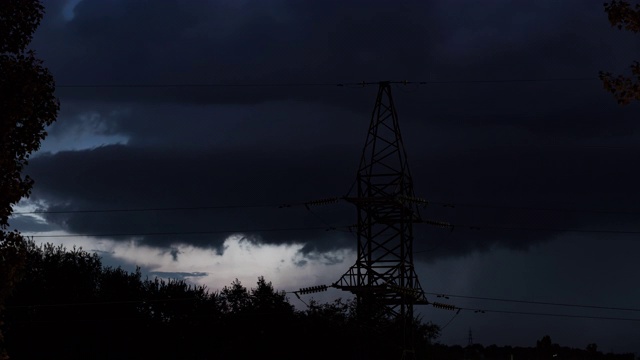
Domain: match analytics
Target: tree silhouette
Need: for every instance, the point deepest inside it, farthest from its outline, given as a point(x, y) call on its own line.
point(74, 308)
point(27, 106)
point(68, 306)
point(53, 280)
point(624, 88)
point(544, 348)
point(330, 324)
point(235, 298)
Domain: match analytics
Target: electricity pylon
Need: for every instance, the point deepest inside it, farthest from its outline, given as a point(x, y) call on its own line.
point(383, 277)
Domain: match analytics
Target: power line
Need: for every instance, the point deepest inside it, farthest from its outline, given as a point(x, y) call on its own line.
point(452, 226)
point(187, 233)
point(184, 208)
point(533, 208)
point(502, 81)
point(323, 84)
point(195, 85)
point(532, 302)
point(170, 208)
point(538, 229)
point(295, 204)
point(326, 228)
point(450, 320)
point(347, 228)
point(476, 310)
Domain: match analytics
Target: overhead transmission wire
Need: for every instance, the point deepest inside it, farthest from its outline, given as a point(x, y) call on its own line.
point(447, 296)
point(450, 320)
point(499, 311)
point(169, 233)
point(171, 208)
point(331, 200)
point(534, 208)
point(479, 310)
point(149, 209)
point(345, 228)
point(321, 84)
point(194, 85)
point(458, 309)
point(515, 312)
point(328, 227)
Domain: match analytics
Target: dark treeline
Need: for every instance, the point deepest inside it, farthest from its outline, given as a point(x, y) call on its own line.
point(543, 349)
point(68, 306)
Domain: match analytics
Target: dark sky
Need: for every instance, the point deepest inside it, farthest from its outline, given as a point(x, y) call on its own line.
point(233, 106)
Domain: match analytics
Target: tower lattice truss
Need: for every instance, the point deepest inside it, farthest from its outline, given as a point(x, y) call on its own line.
point(383, 274)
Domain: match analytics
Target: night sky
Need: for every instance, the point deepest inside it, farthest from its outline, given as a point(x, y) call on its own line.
point(206, 116)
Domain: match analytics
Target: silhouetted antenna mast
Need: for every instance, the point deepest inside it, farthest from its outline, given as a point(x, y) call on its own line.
point(383, 278)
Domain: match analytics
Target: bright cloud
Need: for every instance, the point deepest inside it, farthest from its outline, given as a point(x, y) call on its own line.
point(285, 265)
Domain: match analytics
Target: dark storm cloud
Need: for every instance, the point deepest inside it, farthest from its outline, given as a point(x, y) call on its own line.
point(126, 42)
point(283, 125)
point(96, 118)
point(28, 223)
point(115, 177)
point(124, 177)
point(228, 42)
point(502, 196)
point(111, 42)
point(120, 42)
point(532, 144)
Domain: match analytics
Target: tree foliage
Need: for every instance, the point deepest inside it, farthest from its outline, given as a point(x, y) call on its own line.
point(625, 16)
point(74, 308)
point(69, 306)
point(27, 101)
point(27, 106)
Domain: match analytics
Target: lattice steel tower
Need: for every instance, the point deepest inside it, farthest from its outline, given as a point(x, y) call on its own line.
point(383, 277)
